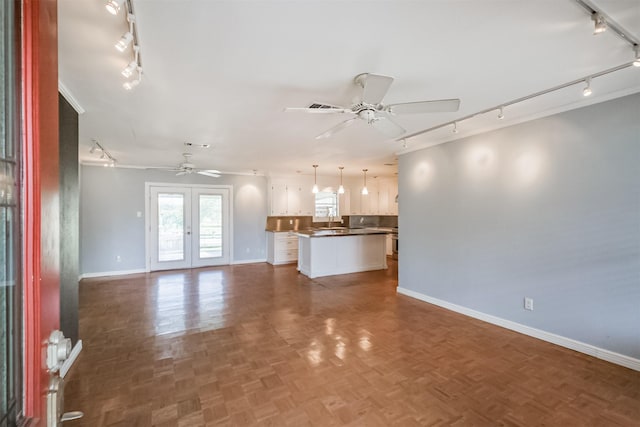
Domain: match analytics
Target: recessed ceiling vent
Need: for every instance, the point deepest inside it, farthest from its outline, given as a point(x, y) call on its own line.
point(322, 106)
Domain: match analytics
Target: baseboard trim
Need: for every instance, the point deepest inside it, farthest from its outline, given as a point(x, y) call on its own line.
point(72, 358)
point(591, 350)
point(112, 273)
point(249, 261)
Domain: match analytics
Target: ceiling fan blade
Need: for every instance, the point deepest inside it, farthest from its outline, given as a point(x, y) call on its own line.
point(336, 128)
point(386, 125)
point(375, 88)
point(318, 110)
point(421, 107)
point(212, 173)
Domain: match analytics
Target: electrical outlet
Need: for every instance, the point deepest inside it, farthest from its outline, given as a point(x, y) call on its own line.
point(118, 258)
point(528, 303)
point(290, 222)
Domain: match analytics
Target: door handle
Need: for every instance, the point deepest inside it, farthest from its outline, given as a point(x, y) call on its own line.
point(70, 416)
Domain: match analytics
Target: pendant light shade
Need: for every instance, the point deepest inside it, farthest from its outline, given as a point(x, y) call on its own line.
point(364, 189)
point(314, 190)
point(341, 188)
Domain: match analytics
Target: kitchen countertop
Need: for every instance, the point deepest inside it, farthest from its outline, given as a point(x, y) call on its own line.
point(339, 232)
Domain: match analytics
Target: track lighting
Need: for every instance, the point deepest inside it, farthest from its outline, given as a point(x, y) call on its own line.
point(128, 71)
point(113, 6)
point(124, 41)
point(364, 189)
point(314, 190)
point(587, 90)
point(455, 127)
point(133, 83)
point(127, 37)
point(599, 24)
point(341, 188)
point(104, 154)
point(133, 65)
point(636, 49)
point(501, 113)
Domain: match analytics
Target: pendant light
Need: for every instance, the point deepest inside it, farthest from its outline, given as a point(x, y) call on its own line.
point(364, 189)
point(315, 179)
point(341, 188)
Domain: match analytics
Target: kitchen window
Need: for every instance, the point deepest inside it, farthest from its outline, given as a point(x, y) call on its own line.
point(326, 204)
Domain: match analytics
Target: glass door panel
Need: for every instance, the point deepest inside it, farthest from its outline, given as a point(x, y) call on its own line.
point(210, 226)
point(171, 227)
point(10, 216)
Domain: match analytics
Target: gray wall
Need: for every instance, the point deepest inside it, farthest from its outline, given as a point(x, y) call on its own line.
point(549, 209)
point(69, 219)
point(111, 197)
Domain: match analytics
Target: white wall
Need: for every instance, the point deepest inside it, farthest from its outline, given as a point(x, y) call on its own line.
point(548, 209)
point(111, 197)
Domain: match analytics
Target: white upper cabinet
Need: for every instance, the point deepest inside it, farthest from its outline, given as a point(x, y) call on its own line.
point(278, 197)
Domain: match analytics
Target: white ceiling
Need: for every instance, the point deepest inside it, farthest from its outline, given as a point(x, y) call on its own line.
point(221, 72)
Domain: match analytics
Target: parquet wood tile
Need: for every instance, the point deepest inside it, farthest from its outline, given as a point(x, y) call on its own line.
point(262, 345)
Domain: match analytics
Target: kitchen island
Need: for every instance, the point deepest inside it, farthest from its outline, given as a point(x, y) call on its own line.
point(330, 252)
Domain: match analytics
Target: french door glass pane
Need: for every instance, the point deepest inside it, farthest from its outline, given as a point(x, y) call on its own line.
point(170, 227)
point(210, 208)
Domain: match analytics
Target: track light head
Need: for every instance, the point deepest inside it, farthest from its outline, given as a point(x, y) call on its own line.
point(455, 127)
point(501, 113)
point(636, 50)
point(129, 69)
point(124, 41)
point(131, 84)
point(599, 24)
point(114, 6)
point(587, 90)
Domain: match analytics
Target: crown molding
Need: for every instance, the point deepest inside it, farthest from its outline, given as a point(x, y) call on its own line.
point(70, 98)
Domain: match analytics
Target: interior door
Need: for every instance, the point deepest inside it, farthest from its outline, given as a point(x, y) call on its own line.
point(189, 227)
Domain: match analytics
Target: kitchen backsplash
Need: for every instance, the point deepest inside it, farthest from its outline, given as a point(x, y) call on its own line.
point(288, 223)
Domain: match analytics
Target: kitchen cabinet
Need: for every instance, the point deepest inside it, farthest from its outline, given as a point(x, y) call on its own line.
point(341, 254)
point(282, 247)
point(387, 191)
point(279, 198)
point(290, 197)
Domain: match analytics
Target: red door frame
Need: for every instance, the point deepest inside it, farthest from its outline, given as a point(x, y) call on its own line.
point(41, 194)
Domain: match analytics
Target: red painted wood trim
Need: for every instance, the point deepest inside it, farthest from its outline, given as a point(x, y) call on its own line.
point(41, 191)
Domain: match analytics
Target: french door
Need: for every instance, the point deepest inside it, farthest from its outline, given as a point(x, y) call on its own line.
point(188, 227)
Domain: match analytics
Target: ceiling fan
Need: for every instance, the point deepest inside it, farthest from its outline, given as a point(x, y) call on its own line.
point(371, 110)
point(187, 168)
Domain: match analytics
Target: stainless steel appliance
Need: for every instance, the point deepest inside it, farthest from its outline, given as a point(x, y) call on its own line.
point(394, 243)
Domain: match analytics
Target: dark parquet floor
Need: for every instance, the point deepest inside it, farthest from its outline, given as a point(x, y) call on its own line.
point(262, 345)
